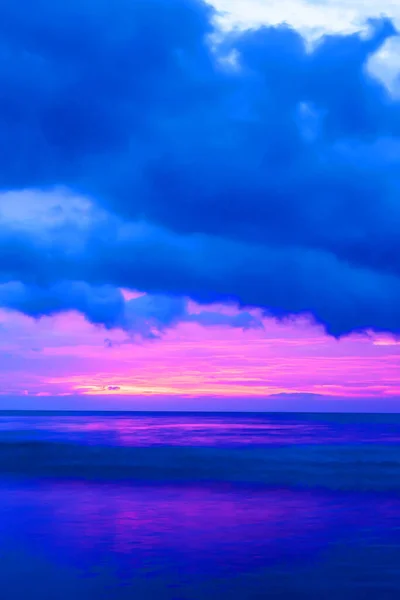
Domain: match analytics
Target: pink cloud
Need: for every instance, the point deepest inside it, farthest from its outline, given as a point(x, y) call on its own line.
point(66, 355)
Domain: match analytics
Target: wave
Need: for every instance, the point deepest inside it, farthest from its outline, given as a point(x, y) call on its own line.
point(357, 467)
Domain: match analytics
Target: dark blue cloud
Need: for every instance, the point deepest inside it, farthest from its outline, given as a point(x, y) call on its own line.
point(147, 316)
point(282, 280)
point(253, 170)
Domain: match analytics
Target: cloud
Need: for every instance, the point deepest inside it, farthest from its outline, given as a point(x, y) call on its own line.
point(147, 316)
point(310, 17)
point(102, 305)
point(270, 180)
point(281, 279)
point(150, 315)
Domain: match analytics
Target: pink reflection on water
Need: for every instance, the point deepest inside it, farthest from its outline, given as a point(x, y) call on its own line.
point(197, 528)
point(197, 430)
point(181, 520)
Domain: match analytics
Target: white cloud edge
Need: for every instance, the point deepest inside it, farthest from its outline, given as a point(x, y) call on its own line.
point(314, 18)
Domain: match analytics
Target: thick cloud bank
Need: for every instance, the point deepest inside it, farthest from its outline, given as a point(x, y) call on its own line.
point(251, 169)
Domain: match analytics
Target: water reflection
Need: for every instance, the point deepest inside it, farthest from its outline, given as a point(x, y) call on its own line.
point(188, 536)
point(150, 538)
point(201, 430)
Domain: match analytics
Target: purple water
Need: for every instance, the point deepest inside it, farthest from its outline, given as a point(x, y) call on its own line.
point(199, 429)
point(199, 506)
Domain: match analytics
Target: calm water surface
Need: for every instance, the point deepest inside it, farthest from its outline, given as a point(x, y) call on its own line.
point(199, 506)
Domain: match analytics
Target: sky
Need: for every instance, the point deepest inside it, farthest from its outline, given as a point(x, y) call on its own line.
point(199, 205)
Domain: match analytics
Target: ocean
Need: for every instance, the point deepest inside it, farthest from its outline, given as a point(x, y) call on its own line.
point(199, 506)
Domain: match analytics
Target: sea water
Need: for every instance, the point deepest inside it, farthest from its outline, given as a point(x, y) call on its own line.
point(199, 506)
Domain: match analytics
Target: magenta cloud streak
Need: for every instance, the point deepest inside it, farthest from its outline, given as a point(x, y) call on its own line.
point(65, 355)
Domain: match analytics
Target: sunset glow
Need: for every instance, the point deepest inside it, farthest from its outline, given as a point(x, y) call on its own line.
point(65, 355)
